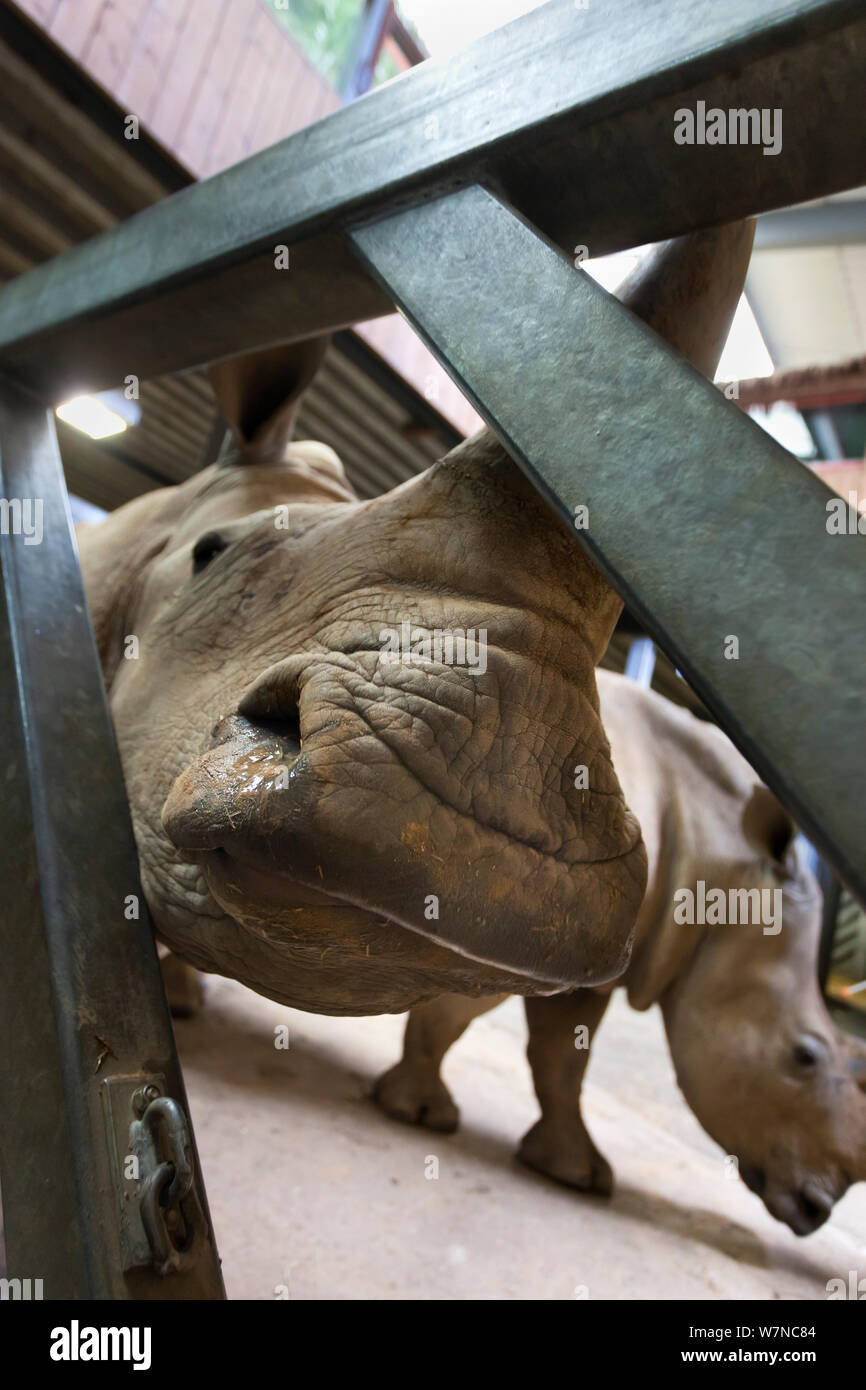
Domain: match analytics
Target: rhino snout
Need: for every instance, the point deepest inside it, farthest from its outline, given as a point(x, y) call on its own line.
point(804, 1210)
point(402, 792)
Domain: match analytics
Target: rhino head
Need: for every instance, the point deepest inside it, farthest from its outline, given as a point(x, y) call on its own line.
point(344, 831)
point(758, 1057)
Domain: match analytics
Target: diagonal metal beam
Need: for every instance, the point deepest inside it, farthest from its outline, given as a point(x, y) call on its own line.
point(84, 1014)
point(706, 526)
point(568, 112)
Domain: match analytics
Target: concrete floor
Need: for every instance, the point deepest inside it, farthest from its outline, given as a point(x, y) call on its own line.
point(316, 1194)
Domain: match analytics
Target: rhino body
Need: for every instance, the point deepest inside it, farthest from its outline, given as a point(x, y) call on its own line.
point(759, 1060)
point(350, 834)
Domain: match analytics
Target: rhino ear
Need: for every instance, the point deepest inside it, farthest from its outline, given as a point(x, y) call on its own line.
point(259, 395)
point(767, 825)
point(687, 290)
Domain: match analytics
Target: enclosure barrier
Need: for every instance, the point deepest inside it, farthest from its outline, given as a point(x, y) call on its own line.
point(452, 193)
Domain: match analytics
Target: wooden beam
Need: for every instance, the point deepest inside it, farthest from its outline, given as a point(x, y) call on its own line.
point(816, 387)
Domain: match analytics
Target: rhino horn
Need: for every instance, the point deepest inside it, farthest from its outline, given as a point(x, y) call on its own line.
point(259, 395)
point(687, 290)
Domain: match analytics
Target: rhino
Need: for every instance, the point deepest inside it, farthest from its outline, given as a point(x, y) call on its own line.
point(346, 833)
point(757, 1057)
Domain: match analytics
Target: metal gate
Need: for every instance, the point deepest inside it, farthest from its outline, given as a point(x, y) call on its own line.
point(459, 194)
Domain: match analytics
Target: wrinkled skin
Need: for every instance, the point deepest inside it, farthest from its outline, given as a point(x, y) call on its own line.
point(403, 780)
point(342, 834)
point(758, 1058)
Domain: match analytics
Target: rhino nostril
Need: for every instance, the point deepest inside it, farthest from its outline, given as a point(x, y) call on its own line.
point(811, 1210)
point(285, 726)
point(815, 1209)
point(755, 1179)
point(281, 733)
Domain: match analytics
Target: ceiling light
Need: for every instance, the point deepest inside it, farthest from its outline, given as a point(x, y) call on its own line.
point(100, 416)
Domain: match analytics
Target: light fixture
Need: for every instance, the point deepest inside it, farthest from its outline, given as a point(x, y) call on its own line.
point(100, 416)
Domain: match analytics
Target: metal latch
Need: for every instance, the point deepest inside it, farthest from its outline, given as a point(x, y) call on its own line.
point(161, 1218)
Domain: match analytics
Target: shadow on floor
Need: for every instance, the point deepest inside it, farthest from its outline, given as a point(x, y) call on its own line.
point(229, 1047)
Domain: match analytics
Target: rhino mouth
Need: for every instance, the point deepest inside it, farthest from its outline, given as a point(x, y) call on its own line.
point(327, 790)
point(804, 1209)
point(239, 880)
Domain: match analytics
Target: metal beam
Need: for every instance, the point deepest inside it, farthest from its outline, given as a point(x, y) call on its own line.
point(705, 525)
point(85, 1023)
point(568, 112)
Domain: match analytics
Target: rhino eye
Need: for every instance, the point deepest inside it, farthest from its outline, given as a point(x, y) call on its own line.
point(808, 1052)
point(205, 548)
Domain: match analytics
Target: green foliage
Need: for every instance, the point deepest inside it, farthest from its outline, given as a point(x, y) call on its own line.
point(386, 68)
point(324, 29)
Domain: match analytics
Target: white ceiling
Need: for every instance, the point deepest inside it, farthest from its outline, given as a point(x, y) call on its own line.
point(810, 301)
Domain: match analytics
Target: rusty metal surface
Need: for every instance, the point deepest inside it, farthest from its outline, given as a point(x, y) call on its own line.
point(81, 996)
point(705, 525)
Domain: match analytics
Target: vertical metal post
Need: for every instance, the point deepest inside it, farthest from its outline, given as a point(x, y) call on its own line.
point(86, 1032)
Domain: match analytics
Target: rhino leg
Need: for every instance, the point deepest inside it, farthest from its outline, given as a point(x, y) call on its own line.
point(559, 1144)
point(182, 984)
point(413, 1090)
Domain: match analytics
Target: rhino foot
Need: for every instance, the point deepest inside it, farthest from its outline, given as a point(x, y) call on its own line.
point(567, 1155)
point(416, 1098)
